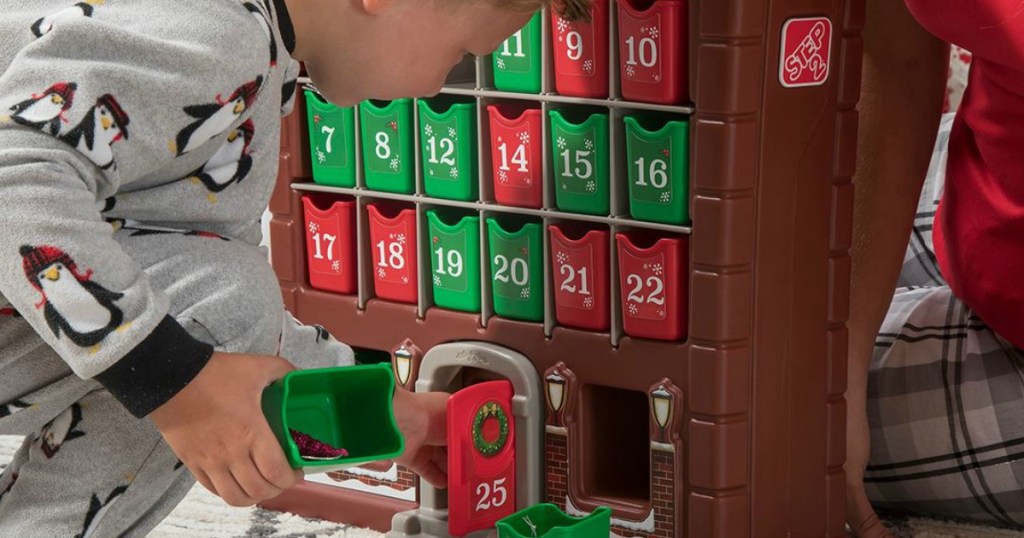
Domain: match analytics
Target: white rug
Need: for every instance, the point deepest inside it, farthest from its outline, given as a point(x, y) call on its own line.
point(203, 515)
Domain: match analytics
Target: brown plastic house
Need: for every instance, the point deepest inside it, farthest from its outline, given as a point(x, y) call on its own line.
point(732, 427)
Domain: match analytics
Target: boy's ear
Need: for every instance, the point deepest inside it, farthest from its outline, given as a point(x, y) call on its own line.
point(373, 7)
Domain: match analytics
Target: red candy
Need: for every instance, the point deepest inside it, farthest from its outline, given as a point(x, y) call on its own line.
point(314, 449)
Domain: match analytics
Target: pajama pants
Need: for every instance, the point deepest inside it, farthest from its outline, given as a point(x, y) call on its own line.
point(87, 467)
point(945, 394)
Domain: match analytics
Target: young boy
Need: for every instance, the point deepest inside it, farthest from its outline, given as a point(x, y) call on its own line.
point(138, 150)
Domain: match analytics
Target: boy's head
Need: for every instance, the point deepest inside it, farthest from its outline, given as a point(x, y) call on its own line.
point(387, 49)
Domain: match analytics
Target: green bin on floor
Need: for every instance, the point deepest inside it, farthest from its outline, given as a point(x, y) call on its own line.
point(517, 268)
point(387, 139)
point(455, 259)
point(546, 520)
point(658, 160)
point(348, 407)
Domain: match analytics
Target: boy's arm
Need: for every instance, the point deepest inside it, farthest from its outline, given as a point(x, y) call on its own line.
point(88, 107)
point(902, 92)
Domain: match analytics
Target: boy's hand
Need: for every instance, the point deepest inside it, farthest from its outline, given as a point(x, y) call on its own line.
point(423, 420)
point(216, 427)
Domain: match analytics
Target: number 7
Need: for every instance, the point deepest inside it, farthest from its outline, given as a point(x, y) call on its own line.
point(330, 133)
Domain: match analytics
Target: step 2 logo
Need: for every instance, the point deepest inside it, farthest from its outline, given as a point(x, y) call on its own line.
point(806, 52)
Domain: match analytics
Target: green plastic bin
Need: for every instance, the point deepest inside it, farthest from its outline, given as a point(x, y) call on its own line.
point(517, 61)
point(348, 407)
point(546, 520)
point(455, 259)
point(658, 159)
point(580, 159)
point(387, 137)
point(332, 143)
point(448, 149)
point(517, 268)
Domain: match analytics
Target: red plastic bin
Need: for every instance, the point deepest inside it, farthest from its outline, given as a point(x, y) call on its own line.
point(580, 262)
point(581, 53)
point(393, 248)
point(517, 155)
point(653, 48)
point(330, 242)
point(653, 281)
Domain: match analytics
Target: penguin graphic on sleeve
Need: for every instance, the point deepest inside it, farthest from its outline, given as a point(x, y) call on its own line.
point(215, 118)
point(82, 9)
point(97, 509)
point(73, 305)
point(13, 407)
point(45, 111)
point(230, 164)
point(103, 126)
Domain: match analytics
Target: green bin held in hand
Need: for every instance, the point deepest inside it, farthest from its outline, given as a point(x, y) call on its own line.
point(387, 138)
point(517, 61)
point(455, 259)
point(658, 161)
point(546, 520)
point(347, 407)
point(332, 144)
point(517, 265)
point(580, 157)
point(448, 149)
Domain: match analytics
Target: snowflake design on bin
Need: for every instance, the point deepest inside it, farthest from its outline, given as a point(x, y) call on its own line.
point(524, 137)
point(314, 227)
point(561, 143)
point(524, 294)
point(630, 72)
point(454, 173)
point(653, 32)
point(501, 63)
point(633, 309)
point(565, 186)
point(437, 280)
point(661, 313)
point(588, 66)
point(658, 269)
point(666, 197)
point(336, 266)
point(394, 163)
point(381, 273)
point(321, 157)
point(563, 25)
point(452, 133)
point(405, 280)
point(588, 143)
point(562, 257)
point(588, 302)
point(591, 186)
point(528, 181)
point(503, 176)
point(428, 130)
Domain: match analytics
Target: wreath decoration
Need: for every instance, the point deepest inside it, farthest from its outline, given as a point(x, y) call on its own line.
point(486, 411)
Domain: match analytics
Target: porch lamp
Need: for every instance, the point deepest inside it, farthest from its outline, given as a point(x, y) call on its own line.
point(661, 404)
point(403, 364)
point(556, 390)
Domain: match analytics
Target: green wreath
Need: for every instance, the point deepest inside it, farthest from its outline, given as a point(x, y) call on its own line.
point(488, 410)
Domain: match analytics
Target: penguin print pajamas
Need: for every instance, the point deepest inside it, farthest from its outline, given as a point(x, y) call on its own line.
point(133, 189)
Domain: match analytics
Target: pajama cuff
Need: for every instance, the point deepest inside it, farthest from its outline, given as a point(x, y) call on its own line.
point(157, 369)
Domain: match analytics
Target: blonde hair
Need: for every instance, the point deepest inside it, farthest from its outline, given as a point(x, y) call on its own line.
point(572, 10)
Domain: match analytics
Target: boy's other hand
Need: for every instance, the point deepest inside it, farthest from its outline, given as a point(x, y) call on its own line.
point(423, 420)
point(216, 427)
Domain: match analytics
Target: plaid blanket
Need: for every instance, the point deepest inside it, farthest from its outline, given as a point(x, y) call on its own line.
point(945, 394)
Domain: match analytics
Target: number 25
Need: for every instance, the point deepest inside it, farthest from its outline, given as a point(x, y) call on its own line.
point(487, 501)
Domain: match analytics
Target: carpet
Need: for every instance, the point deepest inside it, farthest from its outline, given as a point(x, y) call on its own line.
point(204, 515)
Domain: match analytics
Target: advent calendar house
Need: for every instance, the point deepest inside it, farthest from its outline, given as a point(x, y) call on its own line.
point(623, 248)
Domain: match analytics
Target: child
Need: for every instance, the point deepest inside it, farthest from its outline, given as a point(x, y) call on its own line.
point(138, 150)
